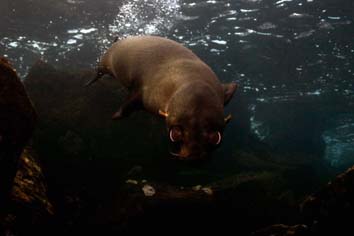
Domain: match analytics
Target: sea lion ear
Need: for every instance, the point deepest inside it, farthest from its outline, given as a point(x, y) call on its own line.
point(229, 90)
point(163, 114)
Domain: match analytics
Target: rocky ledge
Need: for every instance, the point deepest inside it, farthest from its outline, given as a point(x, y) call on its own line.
point(22, 187)
point(326, 212)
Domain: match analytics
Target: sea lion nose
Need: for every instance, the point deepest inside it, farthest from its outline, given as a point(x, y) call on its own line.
point(191, 153)
point(184, 152)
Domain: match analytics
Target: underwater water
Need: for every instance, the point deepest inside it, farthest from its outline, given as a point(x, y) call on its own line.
point(293, 59)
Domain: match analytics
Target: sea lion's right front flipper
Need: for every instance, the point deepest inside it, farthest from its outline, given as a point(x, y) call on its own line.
point(132, 103)
point(100, 72)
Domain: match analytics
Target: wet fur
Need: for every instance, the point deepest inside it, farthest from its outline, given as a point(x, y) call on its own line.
point(164, 77)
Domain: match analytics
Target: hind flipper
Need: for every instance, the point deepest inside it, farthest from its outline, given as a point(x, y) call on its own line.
point(132, 103)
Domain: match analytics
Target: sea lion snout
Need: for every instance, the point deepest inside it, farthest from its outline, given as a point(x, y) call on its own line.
point(195, 122)
point(192, 142)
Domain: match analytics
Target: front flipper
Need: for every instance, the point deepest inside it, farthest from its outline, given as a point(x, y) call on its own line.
point(229, 90)
point(133, 102)
point(100, 72)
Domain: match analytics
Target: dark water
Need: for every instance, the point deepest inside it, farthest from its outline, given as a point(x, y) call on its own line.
point(280, 52)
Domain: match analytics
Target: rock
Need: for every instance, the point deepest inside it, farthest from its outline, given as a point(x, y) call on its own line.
point(283, 230)
point(148, 190)
point(326, 212)
point(131, 181)
point(208, 190)
point(17, 121)
point(29, 188)
point(200, 209)
point(197, 187)
point(72, 143)
point(168, 193)
point(74, 120)
point(23, 191)
point(157, 206)
point(329, 210)
point(135, 171)
point(30, 206)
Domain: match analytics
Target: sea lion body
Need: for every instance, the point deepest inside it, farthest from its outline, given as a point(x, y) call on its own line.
point(168, 79)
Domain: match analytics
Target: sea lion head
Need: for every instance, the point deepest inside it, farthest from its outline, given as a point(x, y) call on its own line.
point(195, 122)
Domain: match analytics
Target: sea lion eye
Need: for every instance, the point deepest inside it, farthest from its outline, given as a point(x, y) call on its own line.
point(215, 138)
point(176, 134)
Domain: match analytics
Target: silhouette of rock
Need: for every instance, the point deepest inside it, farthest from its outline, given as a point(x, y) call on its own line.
point(29, 206)
point(23, 192)
point(283, 230)
point(17, 121)
point(326, 212)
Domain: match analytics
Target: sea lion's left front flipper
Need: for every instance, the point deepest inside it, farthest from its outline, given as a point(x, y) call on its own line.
point(132, 102)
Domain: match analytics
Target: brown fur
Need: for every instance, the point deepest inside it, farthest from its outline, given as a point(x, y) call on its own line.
point(167, 78)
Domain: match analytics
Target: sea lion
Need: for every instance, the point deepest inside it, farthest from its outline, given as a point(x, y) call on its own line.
point(167, 79)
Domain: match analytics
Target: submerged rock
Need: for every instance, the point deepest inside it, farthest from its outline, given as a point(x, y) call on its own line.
point(76, 120)
point(283, 230)
point(131, 181)
point(148, 190)
point(17, 121)
point(329, 210)
point(29, 205)
point(29, 187)
point(23, 192)
point(159, 207)
point(326, 212)
point(199, 209)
